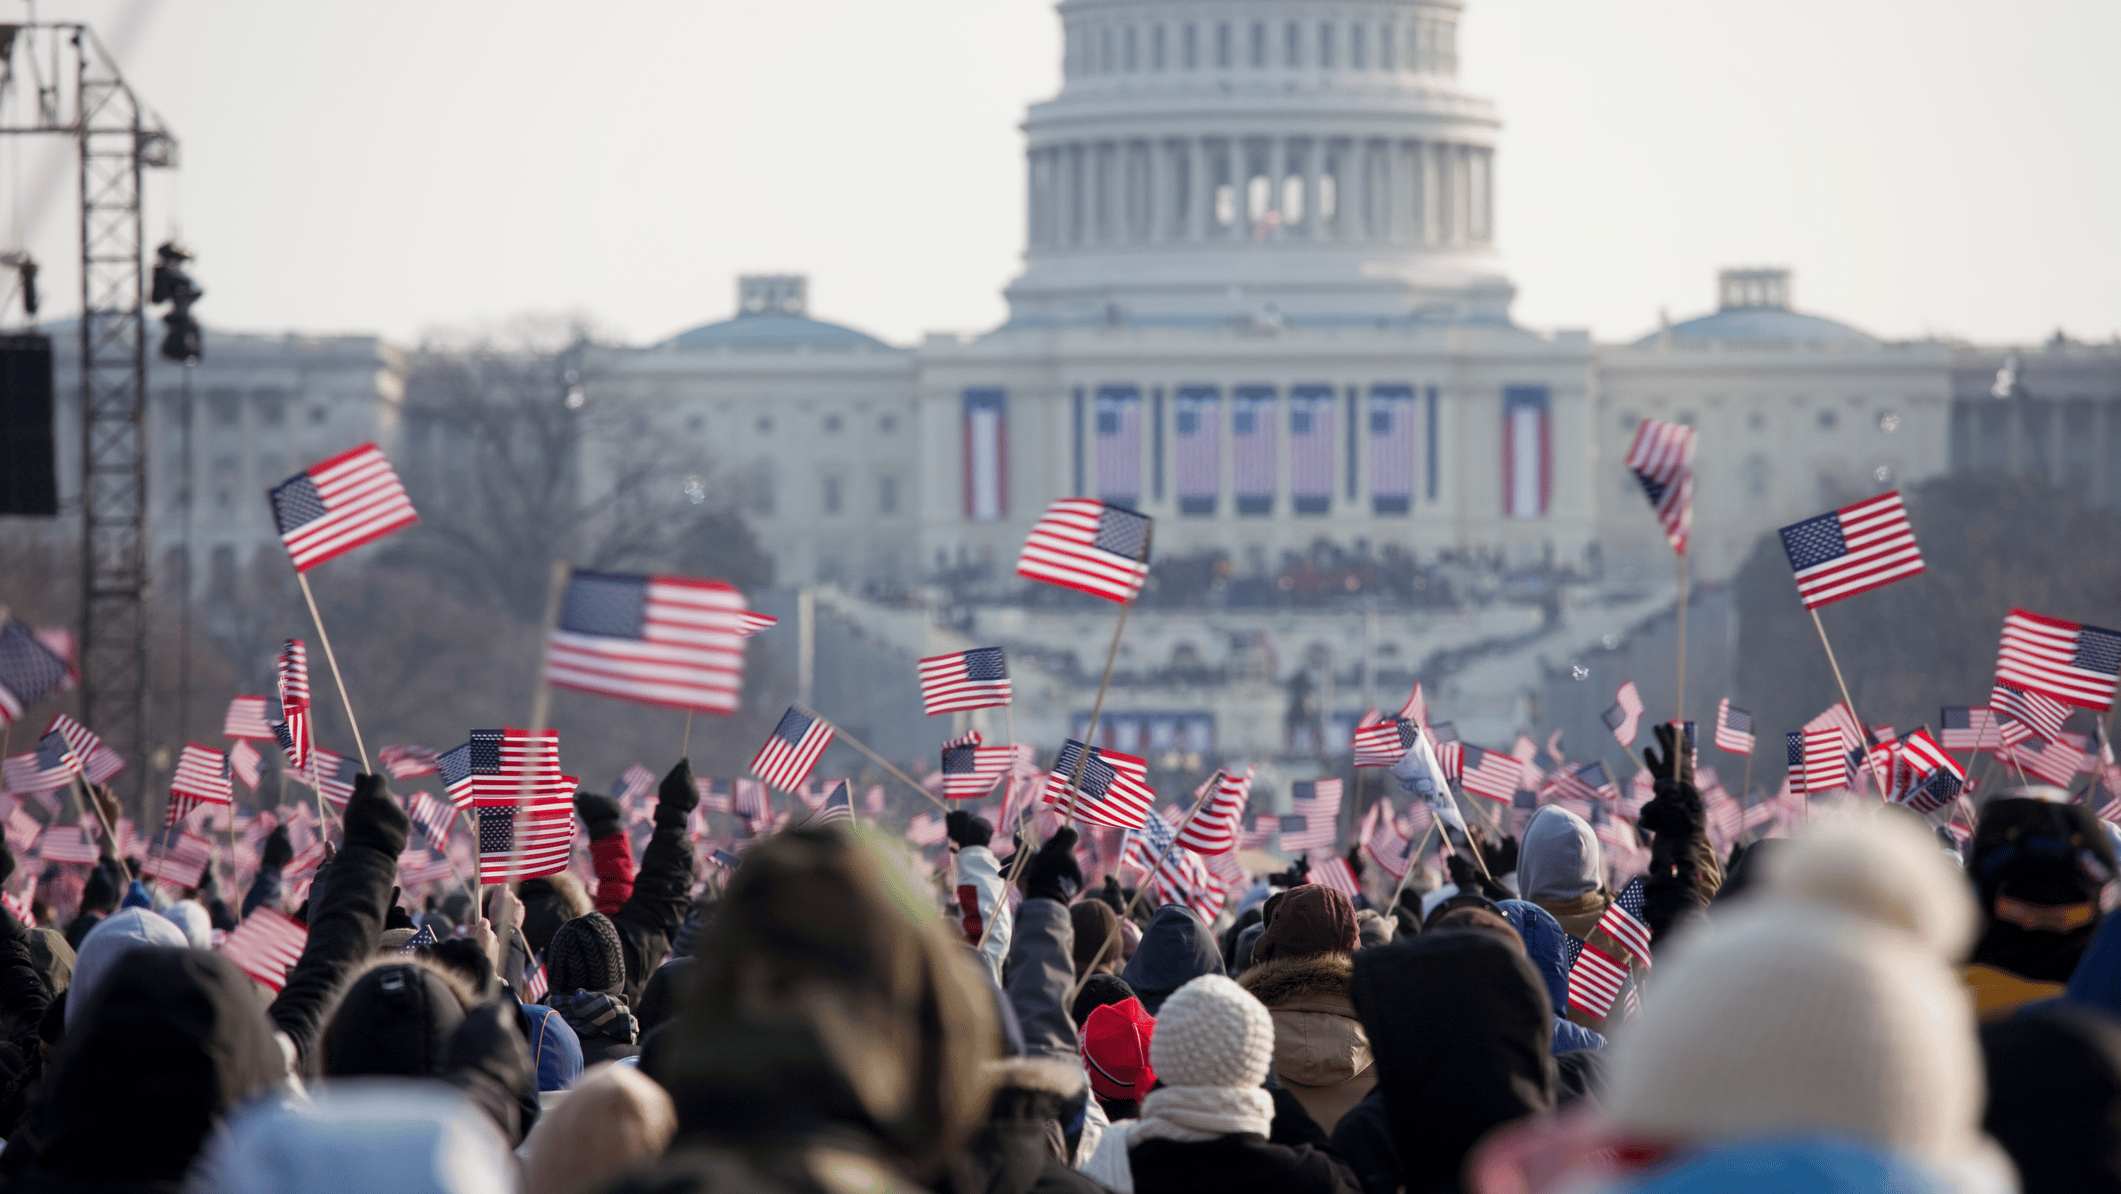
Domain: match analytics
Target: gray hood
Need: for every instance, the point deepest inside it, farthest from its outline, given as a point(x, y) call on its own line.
point(1559, 857)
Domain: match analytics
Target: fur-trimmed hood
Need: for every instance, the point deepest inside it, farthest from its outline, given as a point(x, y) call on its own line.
point(1321, 1053)
point(1281, 980)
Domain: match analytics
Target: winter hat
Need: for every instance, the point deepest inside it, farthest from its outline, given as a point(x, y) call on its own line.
point(191, 919)
point(395, 1019)
point(1096, 936)
point(1115, 1043)
point(136, 896)
point(1478, 920)
point(1098, 990)
point(585, 956)
point(1883, 868)
point(119, 934)
point(1788, 1018)
point(616, 1121)
point(2039, 852)
point(1212, 1032)
point(360, 1137)
point(1306, 920)
point(393, 940)
point(1558, 858)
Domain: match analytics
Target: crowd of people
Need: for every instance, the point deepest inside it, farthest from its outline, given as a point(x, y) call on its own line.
point(1856, 1008)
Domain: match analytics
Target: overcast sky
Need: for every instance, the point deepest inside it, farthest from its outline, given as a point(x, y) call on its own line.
point(1945, 167)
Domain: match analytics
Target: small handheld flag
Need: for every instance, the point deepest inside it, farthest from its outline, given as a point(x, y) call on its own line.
point(791, 752)
point(1091, 546)
point(672, 641)
point(1662, 458)
point(1851, 550)
point(975, 679)
point(2069, 661)
point(1625, 714)
point(339, 504)
point(1734, 728)
point(246, 720)
point(1114, 790)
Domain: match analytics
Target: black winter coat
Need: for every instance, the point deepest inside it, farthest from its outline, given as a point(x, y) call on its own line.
point(662, 893)
point(1240, 1163)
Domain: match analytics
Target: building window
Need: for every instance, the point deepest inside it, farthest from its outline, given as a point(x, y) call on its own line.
point(1292, 51)
point(1133, 49)
point(271, 407)
point(1756, 476)
point(832, 424)
point(1628, 420)
point(833, 495)
point(1156, 47)
point(1325, 46)
point(1828, 420)
point(695, 424)
point(1755, 422)
point(1356, 49)
point(764, 425)
point(1222, 45)
point(887, 495)
point(1387, 40)
point(1190, 46)
point(1104, 52)
point(320, 414)
point(887, 424)
point(759, 490)
point(1259, 45)
point(225, 406)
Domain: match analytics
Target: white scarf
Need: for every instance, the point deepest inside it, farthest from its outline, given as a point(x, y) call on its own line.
point(1192, 1114)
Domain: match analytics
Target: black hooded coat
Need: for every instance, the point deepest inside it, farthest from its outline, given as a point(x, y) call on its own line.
point(1176, 948)
point(1460, 1025)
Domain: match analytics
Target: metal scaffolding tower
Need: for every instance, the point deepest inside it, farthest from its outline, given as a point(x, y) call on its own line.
point(81, 93)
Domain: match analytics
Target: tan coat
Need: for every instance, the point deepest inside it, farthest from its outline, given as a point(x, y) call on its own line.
point(1321, 1053)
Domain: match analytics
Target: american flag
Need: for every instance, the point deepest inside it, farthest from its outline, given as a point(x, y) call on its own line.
point(753, 801)
point(1793, 751)
point(1261, 835)
point(1662, 458)
point(244, 760)
point(2056, 762)
point(526, 840)
point(434, 817)
point(46, 769)
point(246, 719)
point(1933, 778)
point(29, 671)
point(1837, 717)
point(179, 863)
point(1588, 782)
point(20, 905)
point(1114, 789)
point(1967, 727)
point(293, 733)
point(1826, 759)
point(1119, 444)
point(712, 798)
point(750, 622)
point(1314, 820)
point(975, 679)
point(2042, 715)
point(1091, 546)
point(1625, 714)
point(1213, 830)
point(535, 983)
point(1623, 920)
point(22, 830)
point(1311, 448)
point(407, 762)
point(98, 761)
point(1252, 448)
point(1197, 449)
point(1181, 878)
point(202, 774)
point(1726, 817)
point(1852, 550)
point(266, 945)
point(1491, 773)
point(837, 809)
point(1595, 979)
point(791, 751)
point(2069, 661)
point(1383, 743)
point(970, 770)
point(636, 782)
point(925, 829)
point(671, 641)
point(1392, 446)
point(339, 504)
point(454, 767)
point(1416, 709)
point(1387, 843)
point(1331, 870)
point(727, 861)
point(335, 776)
point(1734, 728)
point(66, 843)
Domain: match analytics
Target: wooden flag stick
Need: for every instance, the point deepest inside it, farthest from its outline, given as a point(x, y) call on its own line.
point(1205, 794)
point(1745, 786)
point(1679, 702)
point(1863, 731)
point(1412, 855)
point(540, 707)
point(1097, 708)
point(685, 745)
point(324, 637)
point(1026, 819)
point(840, 735)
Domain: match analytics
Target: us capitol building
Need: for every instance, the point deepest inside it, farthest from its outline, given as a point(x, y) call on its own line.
point(1260, 300)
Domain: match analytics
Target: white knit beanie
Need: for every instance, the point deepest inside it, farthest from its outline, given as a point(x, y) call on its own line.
point(1212, 1032)
point(1883, 867)
point(1789, 1017)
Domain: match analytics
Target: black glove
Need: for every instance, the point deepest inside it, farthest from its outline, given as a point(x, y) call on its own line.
point(676, 797)
point(601, 815)
point(1469, 879)
point(1053, 874)
point(1502, 859)
point(277, 851)
point(1298, 874)
point(1356, 865)
point(395, 917)
point(1112, 895)
point(373, 819)
point(1676, 765)
point(967, 830)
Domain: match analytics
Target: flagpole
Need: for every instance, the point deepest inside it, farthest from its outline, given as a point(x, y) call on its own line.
point(685, 746)
point(1679, 703)
point(1412, 854)
point(1097, 707)
point(841, 735)
point(324, 637)
point(1026, 820)
point(540, 713)
point(1206, 794)
point(1863, 732)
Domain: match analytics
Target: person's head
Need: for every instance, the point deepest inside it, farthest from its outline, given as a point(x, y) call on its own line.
point(1212, 1033)
point(1304, 921)
point(2054, 1096)
point(191, 919)
point(1373, 929)
point(395, 1018)
point(1479, 920)
point(1097, 944)
point(615, 1121)
point(827, 994)
point(555, 1049)
point(1790, 1018)
point(1176, 949)
point(178, 1027)
point(1097, 991)
point(548, 903)
point(585, 955)
point(378, 1134)
point(119, 934)
point(1115, 1040)
point(2039, 866)
point(1558, 857)
point(462, 957)
point(659, 999)
point(1884, 869)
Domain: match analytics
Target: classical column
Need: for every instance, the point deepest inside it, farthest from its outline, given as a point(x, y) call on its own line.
point(1036, 207)
point(1277, 178)
point(1235, 149)
point(1064, 206)
point(1394, 227)
point(1462, 178)
point(1200, 193)
point(1114, 155)
point(1314, 171)
point(1159, 191)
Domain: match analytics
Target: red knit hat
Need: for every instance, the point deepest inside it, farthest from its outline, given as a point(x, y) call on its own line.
point(1115, 1043)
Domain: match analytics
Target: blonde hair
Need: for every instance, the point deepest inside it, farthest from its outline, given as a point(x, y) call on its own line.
point(614, 1122)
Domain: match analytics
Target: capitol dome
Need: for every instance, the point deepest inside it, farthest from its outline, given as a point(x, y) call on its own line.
point(773, 313)
point(1754, 308)
point(1208, 161)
